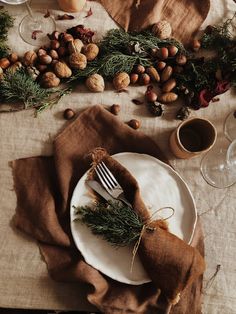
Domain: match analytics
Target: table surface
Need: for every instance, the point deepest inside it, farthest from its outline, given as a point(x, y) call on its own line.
point(24, 281)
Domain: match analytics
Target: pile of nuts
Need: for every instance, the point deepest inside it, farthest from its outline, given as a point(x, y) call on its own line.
point(12, 63)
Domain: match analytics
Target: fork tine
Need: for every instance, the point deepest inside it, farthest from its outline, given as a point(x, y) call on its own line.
point(109, 173)
point(102, 178)
point(106, 175)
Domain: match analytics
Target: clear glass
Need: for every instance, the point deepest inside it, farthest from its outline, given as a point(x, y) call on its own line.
point(218, 167)
point(35, 26)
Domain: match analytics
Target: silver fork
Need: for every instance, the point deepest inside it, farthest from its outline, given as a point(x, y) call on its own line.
point(110, 183)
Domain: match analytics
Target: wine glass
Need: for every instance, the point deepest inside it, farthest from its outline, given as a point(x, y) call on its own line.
point(35, 26)
point(218, 167)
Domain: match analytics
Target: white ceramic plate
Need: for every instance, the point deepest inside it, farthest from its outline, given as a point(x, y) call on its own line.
point(160, 186)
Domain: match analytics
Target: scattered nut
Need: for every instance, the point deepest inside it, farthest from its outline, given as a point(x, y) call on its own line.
point(4, 63)
point(160, 65)
point(29, 58)
point(33, 72)
point(162, 29)
point(163, 53)
point(78, 61)
point(172, 50)
point(154, 75)
point(91, 51)
point(115, 109)
point(121, 80)
point(41, 67)
point(195, 45)
point(49, 80)
point(45, 59)
point(61, 51)
point(54, 44)
point(139, 69)
point(13, 57)
point(75, 46)
point(95, 83)
point(150, 96)
point(1, 73)
point(53, 53)
point(54, 35)
point(65, 37)
point(144, 79)
point(62, 70)
point(167, 97)
point(41, 52)
point(169, 85)
point(135, 124)
point(166, 74)
point(14, 67)
point(133, 78)
point(68, 114)
point(181, 59)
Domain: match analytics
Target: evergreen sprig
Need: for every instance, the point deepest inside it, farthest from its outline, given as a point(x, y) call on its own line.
point(116, 223)
point(6, 22)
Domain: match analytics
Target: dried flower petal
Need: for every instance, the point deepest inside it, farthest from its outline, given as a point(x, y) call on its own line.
point(215, 99)
point(82, 33)
point(123, 90)
point(34, 34)
point(65, 17)
point(137, 102)
point(89, 13)
point(47, 14)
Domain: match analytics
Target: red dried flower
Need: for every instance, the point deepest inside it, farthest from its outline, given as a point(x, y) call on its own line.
point(89, 13)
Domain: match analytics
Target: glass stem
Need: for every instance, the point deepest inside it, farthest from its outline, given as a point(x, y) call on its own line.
point(29, 10)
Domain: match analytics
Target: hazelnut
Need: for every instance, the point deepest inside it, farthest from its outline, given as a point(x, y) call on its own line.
point(91, 51)
point(41, 52)
point(53, 54)
point(68, 114)
point(49, 80)
point(163, 53)
point(181, 59)
point(139, 69)
point(4, 63)
point(41, 67)
point(54, 35)
point(167, 97)
point(144, 79)
point(75, 46)
point(160, 65)
point(61, 51)
point(133, 78)
point(78, 61)
point(62, 70)
point(29, 58)
point(150, 96)
point(169, 85)
point(13, 57)
point(64, 37)
point(172, 50)
point(162, 29)
point(166, 73)
point(135, 124)
point(195, 45)
point(54, 44)
point(45, 59)
point(95, 83)
point(121, 80)
point(115, 109)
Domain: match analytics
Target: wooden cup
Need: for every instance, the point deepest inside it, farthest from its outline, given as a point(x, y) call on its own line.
point(192, 137)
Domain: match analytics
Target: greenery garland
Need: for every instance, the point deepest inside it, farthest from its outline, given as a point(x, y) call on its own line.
point(6, 22)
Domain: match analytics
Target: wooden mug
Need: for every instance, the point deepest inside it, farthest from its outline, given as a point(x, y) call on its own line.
point(192, 137)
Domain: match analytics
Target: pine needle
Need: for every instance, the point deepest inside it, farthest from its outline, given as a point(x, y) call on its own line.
point(6, 22)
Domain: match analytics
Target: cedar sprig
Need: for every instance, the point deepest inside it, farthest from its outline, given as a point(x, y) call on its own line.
point(116, 223)
point(6, 22)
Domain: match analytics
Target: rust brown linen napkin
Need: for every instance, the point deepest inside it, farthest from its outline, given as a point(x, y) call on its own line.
point(185, 16)
point(44, 187)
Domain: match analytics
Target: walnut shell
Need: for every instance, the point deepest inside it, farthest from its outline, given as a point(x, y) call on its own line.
point(75, 46)
point(49, 80)
point(62, 70)
point(121, 80)
point(91, 51)
point(29, 58)
point(162, 29)
point(95, 83)
point(15, 67)
point(78, 61)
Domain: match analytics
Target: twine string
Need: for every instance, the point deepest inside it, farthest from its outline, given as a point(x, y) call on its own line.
point(145, 226)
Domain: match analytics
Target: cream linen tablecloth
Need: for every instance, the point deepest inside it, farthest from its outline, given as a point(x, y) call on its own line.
point(24, 281)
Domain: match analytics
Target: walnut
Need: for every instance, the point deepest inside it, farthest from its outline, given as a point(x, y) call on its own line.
point(121, 80)
point(49, 79)
point(78, 61)
point(91, 51)
point(95, 83)
point(75, 46)
point(62, 70)
point(29, 58)
point(162, 29)
point(15, 67)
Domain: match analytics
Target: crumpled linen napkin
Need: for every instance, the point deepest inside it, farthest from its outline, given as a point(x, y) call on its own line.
point(44, 186)
point(185, 16)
